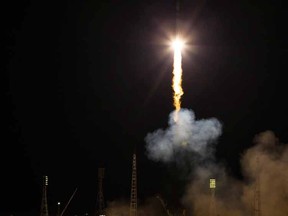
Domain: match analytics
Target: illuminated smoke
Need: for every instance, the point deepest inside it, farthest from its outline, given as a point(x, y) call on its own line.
point(236, 197)
point(150, 207)
point(187, 134)
point(233, 196)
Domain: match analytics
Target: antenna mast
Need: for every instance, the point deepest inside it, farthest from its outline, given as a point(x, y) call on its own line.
point(44, 205)
point(133, 201)
point(100, 197)
point(257, 201)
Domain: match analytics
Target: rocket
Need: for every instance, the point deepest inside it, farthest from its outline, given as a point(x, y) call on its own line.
point(177, 16)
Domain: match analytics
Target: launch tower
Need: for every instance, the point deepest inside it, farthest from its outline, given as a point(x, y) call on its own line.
point(212, 208)
point(44, 204)
point(257, 201)
point(133, 201)
point(100, 197)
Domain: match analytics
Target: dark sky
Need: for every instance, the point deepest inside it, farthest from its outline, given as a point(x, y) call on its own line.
point(85, 81)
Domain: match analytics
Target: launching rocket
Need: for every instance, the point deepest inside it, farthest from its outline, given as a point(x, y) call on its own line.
point(177, 16)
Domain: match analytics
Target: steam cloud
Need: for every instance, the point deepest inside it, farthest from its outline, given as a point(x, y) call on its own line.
point(186, 134)
point(149, 207)
point(264, 168)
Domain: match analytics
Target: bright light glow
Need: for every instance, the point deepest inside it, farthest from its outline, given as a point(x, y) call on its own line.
point(212, 183)
point(178, 44)
point(46, 180)
point(58, 203)
point(177, 75)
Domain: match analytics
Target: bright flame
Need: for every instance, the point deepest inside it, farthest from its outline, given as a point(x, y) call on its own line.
point(177, 75)
point(178, 44)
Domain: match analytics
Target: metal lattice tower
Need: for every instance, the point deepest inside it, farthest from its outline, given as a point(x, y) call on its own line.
point(133, 201)
point(100, 197)
point(257, 197)
point(212, 207)
point(44, 205)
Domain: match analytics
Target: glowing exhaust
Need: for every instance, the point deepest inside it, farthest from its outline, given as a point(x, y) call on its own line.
point(177, 75)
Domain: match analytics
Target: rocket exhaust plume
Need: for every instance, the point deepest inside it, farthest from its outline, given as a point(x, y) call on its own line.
point(177, 76)
point(185, 133)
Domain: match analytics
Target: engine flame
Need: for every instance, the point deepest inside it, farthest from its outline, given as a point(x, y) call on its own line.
point(177, 76)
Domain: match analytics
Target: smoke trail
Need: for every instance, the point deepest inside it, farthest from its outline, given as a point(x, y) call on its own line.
point(186, 134)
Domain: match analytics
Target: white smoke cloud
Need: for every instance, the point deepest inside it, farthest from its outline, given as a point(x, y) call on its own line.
point(187, 134)
point(264, 166)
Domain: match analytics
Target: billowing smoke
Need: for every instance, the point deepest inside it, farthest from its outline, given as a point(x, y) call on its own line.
point(262, 188)
point(117, 208)
point(267, 162)
point(187, 134)
point(264, 183)
point(151, 206)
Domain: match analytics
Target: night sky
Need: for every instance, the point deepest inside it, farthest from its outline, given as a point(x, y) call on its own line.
point(86, 81)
